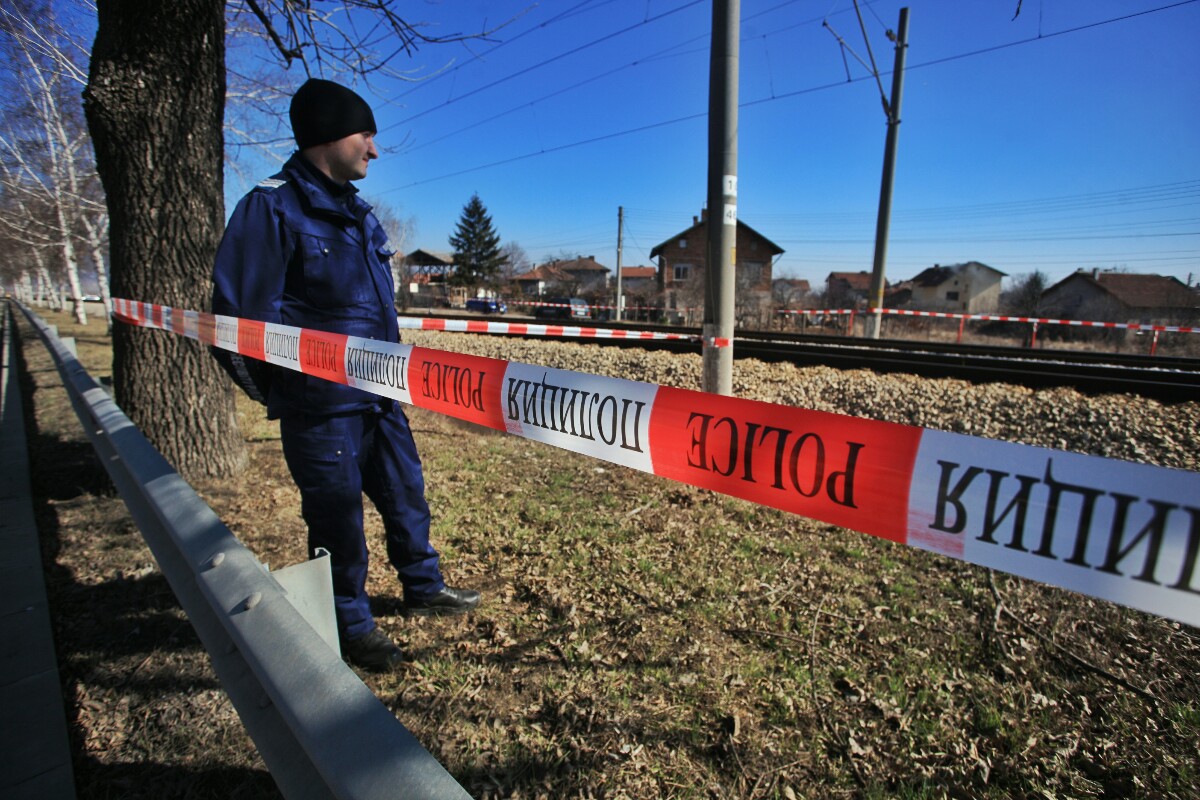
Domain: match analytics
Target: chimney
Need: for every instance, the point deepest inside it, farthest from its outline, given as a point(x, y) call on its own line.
point(1095, 273)
point(703, 214)
point(695, 221)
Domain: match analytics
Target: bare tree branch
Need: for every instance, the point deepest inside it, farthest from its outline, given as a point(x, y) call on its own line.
point(301, 32)
point(288, 53)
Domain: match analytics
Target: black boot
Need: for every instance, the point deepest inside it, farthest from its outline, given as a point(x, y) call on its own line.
point(446, 602)
point(373, 651)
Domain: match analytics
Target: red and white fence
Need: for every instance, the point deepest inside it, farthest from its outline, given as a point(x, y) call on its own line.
point(964, 318)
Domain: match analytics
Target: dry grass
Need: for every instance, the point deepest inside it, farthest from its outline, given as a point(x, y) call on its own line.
point(638, 639)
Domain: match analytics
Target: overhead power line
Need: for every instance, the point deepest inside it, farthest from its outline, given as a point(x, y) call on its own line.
point(674, 49)
point(545, 63)
point(748, 104)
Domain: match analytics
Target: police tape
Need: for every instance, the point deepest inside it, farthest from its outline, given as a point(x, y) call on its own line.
point(534, 329)
point(537, 329)
point(1115, 530)
point(1079, 323)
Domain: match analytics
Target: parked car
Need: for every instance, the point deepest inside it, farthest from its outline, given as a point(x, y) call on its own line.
point(487, 305)
point(562, 308)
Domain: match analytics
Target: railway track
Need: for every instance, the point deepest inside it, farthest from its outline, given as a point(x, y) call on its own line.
point(1165, 378)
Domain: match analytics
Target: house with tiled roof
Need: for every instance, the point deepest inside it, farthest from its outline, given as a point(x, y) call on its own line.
point(847, 289)
point(636, 278)
point(1122, 297)
point(970, 288)
point(683, 260)
point(582, 275)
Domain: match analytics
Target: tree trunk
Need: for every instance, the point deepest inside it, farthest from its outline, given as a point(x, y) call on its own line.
point(92, 230)
point(25, 288)
point(71, 266)
point(49, 289)
point(154, 102)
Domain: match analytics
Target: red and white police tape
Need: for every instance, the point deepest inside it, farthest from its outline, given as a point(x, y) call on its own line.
point(533, 329)
point(1116, 530)
point(904, 312)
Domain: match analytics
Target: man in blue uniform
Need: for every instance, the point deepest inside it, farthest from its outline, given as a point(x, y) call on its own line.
point(302, 249)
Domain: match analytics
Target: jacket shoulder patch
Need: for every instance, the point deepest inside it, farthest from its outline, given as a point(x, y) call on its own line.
point(270, 183)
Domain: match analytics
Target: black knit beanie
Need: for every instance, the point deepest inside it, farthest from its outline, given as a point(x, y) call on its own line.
point(323, 111)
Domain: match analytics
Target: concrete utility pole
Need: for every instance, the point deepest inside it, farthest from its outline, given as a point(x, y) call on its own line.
point(620, 231)
point(874, 321)
point(719, 282)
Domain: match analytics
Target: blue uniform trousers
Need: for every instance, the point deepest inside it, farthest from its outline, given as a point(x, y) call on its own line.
point(334, 460)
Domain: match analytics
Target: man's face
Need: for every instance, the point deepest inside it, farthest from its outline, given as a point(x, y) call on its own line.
point(347, 158)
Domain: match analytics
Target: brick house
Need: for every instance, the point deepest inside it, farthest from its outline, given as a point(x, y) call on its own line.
point(1122, 297)
point(847, 289)
point(682, 260)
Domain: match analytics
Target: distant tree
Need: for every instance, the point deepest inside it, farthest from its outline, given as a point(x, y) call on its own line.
point(46, 169)
point(477, 254)
point(641, 300)
point(785, 296)
point(1023, 298)
point(400, 232)
point(689, 298)
point(838, 294)
point(751, 305)
point(516, 261)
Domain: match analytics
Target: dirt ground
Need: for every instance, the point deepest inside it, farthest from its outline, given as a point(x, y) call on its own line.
point(638, 639)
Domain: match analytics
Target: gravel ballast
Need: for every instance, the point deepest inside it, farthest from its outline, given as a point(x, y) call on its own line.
point(1122, 426)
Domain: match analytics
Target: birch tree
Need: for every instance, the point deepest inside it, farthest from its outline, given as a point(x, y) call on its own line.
point(47, 159)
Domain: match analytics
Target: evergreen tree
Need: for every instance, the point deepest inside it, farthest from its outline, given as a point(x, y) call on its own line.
point(477, 254)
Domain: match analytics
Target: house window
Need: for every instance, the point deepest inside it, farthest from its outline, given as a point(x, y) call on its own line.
point(951, 295)
point(752, 272)
point(683, 272)
point(683, 243)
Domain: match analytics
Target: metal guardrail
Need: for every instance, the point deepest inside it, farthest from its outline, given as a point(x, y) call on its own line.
point(320, 730)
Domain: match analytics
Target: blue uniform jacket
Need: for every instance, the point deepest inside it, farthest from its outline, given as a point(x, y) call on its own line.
point(297, 254)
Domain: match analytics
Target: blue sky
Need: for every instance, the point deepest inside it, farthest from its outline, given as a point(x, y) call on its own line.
point(1066, 138)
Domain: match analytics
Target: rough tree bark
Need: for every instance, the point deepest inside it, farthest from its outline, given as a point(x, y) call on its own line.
point(155, 103)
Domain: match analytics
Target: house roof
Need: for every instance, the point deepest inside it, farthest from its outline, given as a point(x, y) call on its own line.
point(937, 274)
point(546, 272)
point(702, 225)
point(580, 264)
point(430, 258)
point(855, 280)
point(1138, 291)
point(635, 273)
point(563, 270)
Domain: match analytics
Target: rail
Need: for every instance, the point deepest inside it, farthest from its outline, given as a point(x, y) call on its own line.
point(321, 732)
